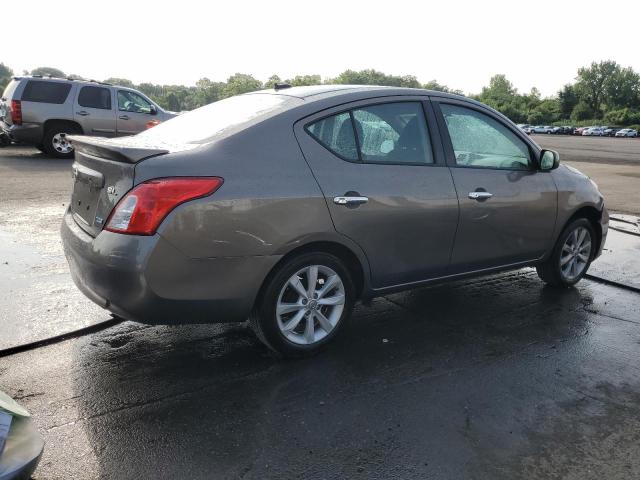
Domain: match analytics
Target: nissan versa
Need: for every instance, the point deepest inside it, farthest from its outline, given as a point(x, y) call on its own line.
point(285, 206)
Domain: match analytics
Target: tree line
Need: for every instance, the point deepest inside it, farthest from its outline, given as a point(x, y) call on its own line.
point(603, 92)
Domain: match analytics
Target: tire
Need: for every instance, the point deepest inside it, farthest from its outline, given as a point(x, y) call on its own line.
point(54, 142)
point(557, 271)
point(289, 333)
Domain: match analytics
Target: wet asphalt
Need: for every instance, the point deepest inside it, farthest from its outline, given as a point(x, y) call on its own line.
point(498, 377)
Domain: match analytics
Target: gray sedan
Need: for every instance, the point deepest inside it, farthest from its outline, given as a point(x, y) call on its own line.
point(287, 206)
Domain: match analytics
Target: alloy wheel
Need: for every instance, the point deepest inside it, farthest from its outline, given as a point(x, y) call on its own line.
point(61, 144)
point(575, 254)
point(310, 304)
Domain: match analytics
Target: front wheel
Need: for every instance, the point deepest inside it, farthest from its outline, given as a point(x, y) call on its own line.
point(304, 305)
point(571, 255)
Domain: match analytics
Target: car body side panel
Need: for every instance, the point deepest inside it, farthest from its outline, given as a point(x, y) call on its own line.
point(268, 202)
point(406, 228)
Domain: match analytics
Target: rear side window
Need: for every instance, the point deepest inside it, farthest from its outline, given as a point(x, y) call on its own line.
point(336, 133)
point(45, 92)
point(387, 133)
point(95, 97)
point(393, 133)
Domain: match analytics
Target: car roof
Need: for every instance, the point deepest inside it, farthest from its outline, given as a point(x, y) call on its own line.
point(48, 78)
point(317, 92)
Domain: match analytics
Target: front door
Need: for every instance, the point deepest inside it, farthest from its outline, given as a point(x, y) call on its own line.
point(93, 110)
point(134, 112)
point(385, 185)
point(507, 206)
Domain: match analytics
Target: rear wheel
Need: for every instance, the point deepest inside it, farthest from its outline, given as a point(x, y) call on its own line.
point(571, 255)
point(304, 305)
point(55, 142)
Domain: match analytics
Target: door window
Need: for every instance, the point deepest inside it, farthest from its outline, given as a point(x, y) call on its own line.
point(393, 133)
point(45, 92)
point(132, 102)
point(480, 141)
point(386, 133)
point(336, 134)
point(95, 97)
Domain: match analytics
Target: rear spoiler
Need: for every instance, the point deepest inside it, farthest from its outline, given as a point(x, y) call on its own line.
point(111, 149)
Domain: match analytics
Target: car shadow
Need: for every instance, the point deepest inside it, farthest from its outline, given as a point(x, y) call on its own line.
point(386, 399)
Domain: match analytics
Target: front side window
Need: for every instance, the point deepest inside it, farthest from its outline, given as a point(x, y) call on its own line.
point(386, 133)
point(336, 133)
point(46, 92)
point(95, 97)
point(480, 141)
point(132, 102)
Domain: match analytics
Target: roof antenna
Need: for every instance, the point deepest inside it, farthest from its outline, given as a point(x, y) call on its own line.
point(281, 86)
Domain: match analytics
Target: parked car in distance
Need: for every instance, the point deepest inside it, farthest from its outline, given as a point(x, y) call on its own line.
point(579, 130)
point(556, 130)
point(610, 132)
point(627, 132)
point(593, 132)
point(542, 129)
point(525, 127)
point(287, 206)
point(42, 111)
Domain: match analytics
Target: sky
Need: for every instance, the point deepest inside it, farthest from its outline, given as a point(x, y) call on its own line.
point(457, 42)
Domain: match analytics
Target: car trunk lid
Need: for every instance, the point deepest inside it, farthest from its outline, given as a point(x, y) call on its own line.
point(103, 172)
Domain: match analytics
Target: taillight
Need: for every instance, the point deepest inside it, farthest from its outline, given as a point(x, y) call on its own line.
point(142, 210)
point(16, 112)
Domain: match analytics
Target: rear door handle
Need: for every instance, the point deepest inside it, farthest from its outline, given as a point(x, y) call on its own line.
point(350, 201)
point(82, 113)
point(124, 117)
point(480, 195)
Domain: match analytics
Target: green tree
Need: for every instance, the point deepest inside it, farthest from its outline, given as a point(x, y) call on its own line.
point(5, 76)
point(46, 71)
point(240, 83)
point(303, 80)
point(374, 77)
point(207, 92)
point(567, 100)
point(122, 82)
point(273, 79)
point(438, 87)
point(592, 81)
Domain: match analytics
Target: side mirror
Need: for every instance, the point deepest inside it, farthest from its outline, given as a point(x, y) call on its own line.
point(549, 160)
point(153, 110)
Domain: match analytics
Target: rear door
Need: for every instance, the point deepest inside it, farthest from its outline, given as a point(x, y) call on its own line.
point(93, 110)
point(507, 206)
point(386, 184)
point(134, 112)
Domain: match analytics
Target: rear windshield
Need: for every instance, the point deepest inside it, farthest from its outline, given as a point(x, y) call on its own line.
point(216, 120)
point(9, 89)
point(45, 92)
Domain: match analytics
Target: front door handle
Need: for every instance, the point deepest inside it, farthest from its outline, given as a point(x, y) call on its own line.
point(480, 195)
point(124, 117)
point(82, 113)
point(350, 201)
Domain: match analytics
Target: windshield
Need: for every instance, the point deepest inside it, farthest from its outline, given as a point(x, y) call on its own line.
point(215, 120)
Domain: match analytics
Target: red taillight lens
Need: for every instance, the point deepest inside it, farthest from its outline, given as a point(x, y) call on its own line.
point(16, 112)
point(142, 210)
point(152, 123)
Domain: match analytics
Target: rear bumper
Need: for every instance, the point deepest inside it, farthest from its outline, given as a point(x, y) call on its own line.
point(31, 133)
point(146, 279)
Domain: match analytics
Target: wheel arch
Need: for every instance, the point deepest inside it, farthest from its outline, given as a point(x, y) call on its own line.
point(351, 260)
point(593, 215)
point(55, 121)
